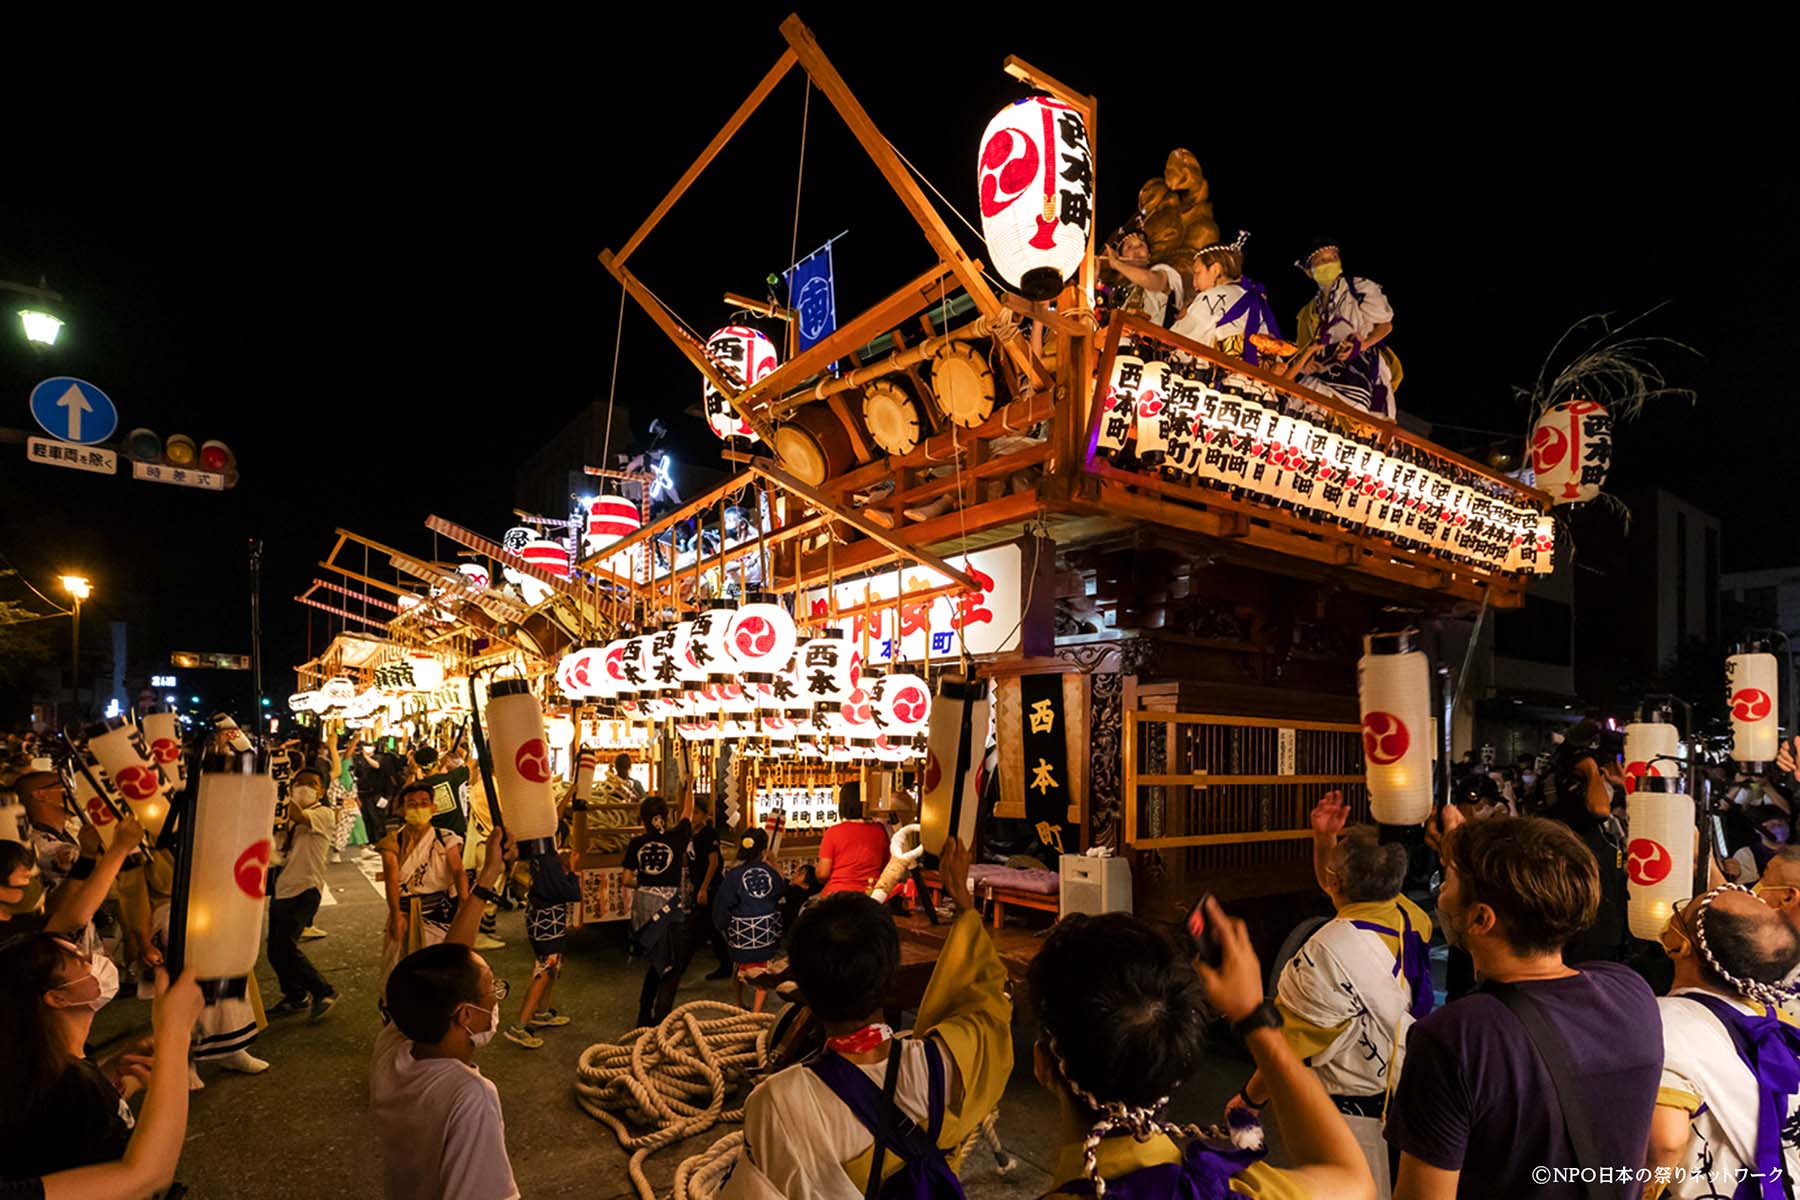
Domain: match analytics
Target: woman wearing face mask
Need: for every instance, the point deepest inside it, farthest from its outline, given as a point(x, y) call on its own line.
point(58, 1108)
point(1342, 330)
point(27, 906)
point(422, 866)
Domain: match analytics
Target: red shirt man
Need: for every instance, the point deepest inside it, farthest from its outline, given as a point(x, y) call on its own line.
point(854, 850)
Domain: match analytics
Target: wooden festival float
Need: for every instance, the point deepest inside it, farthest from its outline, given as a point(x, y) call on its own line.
point(1199, 544)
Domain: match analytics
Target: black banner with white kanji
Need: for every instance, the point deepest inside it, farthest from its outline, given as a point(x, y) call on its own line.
point(1046, 755)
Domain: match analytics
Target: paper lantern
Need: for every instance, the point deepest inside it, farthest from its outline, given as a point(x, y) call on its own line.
point(337, 692)
point(547, 555)
point(1753, 693)
point(1571, 450)
point(1118, 410)
point(829, 670)
point(949, 798)
point(903, 706)
point(520, 747)
point(162, 737)
point(607, 676)
point(97, 810)
point(634, 683)
point(706, 642)
point(1393, 686)
point(427, 671)
point(610, 518)
point(121, 753)
point(661, 670)
point(301, 702)
point(1659, 860)
point(1152, 415)
point(476, 574)
point(1036, 180)
point(233, 814)
point(760, 638)
point(743, 356)
point(1649, 748)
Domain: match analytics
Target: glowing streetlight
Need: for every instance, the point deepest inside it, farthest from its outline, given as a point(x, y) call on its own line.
point(41, 327)
point(78, 587)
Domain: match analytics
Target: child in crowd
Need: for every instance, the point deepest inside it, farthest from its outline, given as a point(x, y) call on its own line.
point(748, 910)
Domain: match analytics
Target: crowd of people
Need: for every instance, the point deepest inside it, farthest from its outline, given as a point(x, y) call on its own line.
point(1547, 1052)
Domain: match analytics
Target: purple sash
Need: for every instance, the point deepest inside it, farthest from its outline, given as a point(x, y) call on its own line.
point(1204, 1173)
point(1253, 306)
point(1771, 1049)
point(1413, 959)
point(925, 1174)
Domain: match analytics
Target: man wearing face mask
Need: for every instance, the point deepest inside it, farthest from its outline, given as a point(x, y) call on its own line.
point(438, 1118)
point(1477, 1109)
point(294, 902)
point(1728, 1101)
point(1341, 331)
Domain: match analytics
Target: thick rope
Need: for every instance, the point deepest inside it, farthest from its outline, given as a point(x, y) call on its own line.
point(671, 1080)
point(699, 1177)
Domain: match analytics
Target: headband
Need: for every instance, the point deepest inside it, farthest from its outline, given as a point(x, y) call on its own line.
point(1770, 994)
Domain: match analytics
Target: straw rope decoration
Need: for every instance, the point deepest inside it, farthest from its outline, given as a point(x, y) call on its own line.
point(1142, 1121)
point(1771, 995)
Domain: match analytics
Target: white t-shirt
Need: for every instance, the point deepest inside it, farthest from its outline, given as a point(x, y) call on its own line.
point(438, 1119)
point(798, 1134)
point(1701, 1064)
point(305, 865)
point(1156, 304)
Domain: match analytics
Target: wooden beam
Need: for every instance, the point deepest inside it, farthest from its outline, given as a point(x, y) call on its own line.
point(360, 578)
point(859, 445)
point(668, 521)
point(751, 103)
point(826, 78)
point(1020, 460)
point(684, 341)
point(1041, 312)
point(868, 529)
point(761, 308)
point(330, 608)
point(495, 550)
point(461, 589)
point(862, 329)
point(868, 555)
point(1025, 73)
point(344, 591)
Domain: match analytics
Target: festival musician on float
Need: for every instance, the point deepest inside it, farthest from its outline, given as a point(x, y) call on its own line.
point(1228, 307)
point(1352, 991)
point(1341, 333)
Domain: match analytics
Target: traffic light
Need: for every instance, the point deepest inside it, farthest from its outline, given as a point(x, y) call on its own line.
point(180, 450)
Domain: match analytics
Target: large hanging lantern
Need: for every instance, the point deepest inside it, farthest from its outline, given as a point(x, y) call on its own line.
point(828, 670)
point(548, 556)
point(1571, 450)
point(121, 753)
point(950, 797)
point(162, 737)
point(903, 706)
point(522, 777)
point(706, 643)
point(743, 356)
point(1393, 686)
point(661, 667)
point(427, 671)
point(232, 818)
point(1036, 179)
point(1753, 693)
point(1650, 748)
point(760, 638)
point(606, 678)
point(1659, 860)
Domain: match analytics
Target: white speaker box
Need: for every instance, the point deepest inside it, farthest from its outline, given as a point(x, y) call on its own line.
point(1094, 885)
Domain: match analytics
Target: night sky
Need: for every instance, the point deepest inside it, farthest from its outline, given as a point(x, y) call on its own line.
point(369, 266)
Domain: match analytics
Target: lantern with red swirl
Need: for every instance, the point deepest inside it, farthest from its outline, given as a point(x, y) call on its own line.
point(1651, 749)
point(233, 814)
point(903, 707)
point(1659, 859)
point(522, 776)
point(760, 638)
point(121, 753)
point(1571, 450)
point(1753, 694)
point(1119, 410)
point(707, 642)
point(578, 674)
point(1393, 686)
point(162, 736)
point(743, 356)
point(606, 678)
point(1036, 182)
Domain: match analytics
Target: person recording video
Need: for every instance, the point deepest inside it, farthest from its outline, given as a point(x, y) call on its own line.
point(1577, 788)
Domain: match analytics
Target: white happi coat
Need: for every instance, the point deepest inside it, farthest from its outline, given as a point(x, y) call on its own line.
point(1345, 974)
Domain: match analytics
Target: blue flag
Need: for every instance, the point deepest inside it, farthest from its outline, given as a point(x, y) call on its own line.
point(813, 297)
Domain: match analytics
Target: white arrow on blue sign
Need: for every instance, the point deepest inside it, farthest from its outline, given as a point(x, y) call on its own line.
point(73, 410)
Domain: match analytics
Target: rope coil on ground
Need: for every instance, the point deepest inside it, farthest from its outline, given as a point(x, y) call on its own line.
point(671, 1081)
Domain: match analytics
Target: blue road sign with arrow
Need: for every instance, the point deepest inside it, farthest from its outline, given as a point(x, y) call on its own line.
point(73, 410)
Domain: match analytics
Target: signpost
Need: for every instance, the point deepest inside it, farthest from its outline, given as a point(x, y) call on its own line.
point(184, 476)
point(73, 410)
point(198, 660)
point(67, 454)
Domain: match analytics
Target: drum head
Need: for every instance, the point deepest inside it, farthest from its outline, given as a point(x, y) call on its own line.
point(801, 455)
point(892, 417)
point(963, 384)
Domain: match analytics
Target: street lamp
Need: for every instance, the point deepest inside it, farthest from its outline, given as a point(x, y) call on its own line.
point(41, 327)
point(80, 588)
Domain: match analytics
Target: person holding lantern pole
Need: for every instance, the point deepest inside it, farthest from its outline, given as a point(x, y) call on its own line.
point(28, 906)
point(1354, 989)
point(438, 1119)
point(294, 898)
point(423, 873)
point(654, 862)
point(1730, 1094)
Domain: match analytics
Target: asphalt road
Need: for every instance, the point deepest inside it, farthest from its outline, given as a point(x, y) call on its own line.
point(300, 1129)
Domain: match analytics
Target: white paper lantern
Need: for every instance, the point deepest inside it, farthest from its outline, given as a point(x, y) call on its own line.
point(162, 737)
point(903, 706)
point(520, 745)
point(949, 800)
point(633, 669)
point(121, 753)
point(548, 556)
point(96, 810)
point(1659, 860)
point(1036, 182)
point(829, 670)
point(1151, 407)
point(1393, 686)
point(476, 574)
point(706, 643)
point(427, 671)
point(1118, 410)
point(301, 702)
point(760, 638)
point(232, 818)
point(1649, 747)
point(743, 356)
point(1753, 693)
point(661, 669)
point(1571, 450)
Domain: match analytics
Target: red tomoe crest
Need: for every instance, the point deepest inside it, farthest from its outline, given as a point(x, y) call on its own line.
point(99, 811)
point(1149, 404)
point(1750, 704)
point(911, 705)
point(1548, 445)
point(1385, 738)
point(251, 869)
point(1647, 862)
point(934, 771)
point(1009, 164)
point(755, 636)
point(533, 761)
point(579, 675)
point(856, 708)
point(137, 783)
point(615, 663)
point(165, 750)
